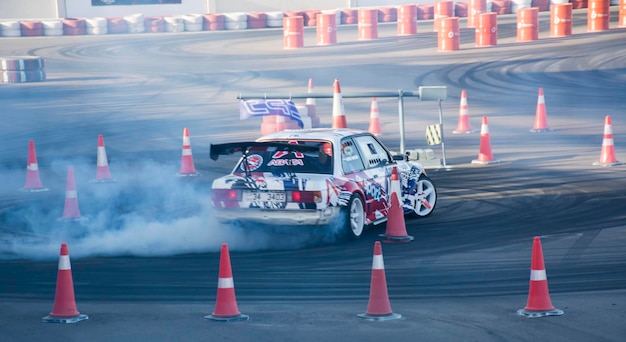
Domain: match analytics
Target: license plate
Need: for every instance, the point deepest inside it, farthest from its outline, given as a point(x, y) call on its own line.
point(264, 196)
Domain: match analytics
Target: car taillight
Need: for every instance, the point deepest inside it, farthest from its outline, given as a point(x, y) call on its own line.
point(225, 195)
point(306, 196)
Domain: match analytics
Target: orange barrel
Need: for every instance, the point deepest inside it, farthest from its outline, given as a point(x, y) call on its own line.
point(326, 29)
point(293, 31)
point(487, 29)
point(622, 13)
point(527, 24)
point(475, 8)
point(368, 23)
point(561, 20)
point(443, 9)
point(598, 15)
point(407, 20)
point(448, 34)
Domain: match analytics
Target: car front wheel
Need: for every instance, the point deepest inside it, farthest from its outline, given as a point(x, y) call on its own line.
point(423, 198)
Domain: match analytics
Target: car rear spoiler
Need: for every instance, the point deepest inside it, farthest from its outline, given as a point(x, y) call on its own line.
point(231, 148)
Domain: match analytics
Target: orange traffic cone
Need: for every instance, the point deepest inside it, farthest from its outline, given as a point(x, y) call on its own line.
point(33, 182)
point(607, 155)
point(484, 154)
point(226, 309)
point(541, 118)
point(103, 174)
point(339, 113)
point(187, 167)
point(378, 307)
point(374, 118)
point(64, 308)
point(396, 227)
point(464, 125)
point(539, 304)
point(71, 212)
point(310, 100)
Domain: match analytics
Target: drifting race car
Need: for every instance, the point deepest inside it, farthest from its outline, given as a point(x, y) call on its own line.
point(317, 177)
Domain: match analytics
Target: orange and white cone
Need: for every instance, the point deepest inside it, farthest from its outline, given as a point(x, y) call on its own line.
point(379, 307)
point(464, 124)
point(226, 309)
point(607, 155)
point(396, 227)
point(539, 303)
point(33, 182)
point(310, 100)
point(64, 309)
point(187, 167)
point(484, 154)
point(71, 212)
point(374, 118)
point(541, 118)
point(339, 113)
point(103, 174)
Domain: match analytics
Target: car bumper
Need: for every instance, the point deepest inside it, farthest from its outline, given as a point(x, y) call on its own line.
point(278, 217)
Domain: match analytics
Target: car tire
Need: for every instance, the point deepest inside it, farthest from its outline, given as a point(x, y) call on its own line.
point(425, 197)
point(353, 217)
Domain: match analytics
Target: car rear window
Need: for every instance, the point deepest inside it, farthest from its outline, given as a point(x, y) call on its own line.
point(279, 160)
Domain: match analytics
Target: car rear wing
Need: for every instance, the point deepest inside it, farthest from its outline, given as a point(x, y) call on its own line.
point(244, 146)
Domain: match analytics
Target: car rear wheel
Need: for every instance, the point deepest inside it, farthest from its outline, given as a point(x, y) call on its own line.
point(354, 217)
point(425, 197)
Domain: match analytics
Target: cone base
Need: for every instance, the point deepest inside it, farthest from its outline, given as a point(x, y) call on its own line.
point(485, 162)
point(607, 164)
point(396, 238)
point(380, 317)
point(101, 181)
point(463, 132)
point(34, 190)
point(227, 318)
point(56, 319)
point(542, 313)
point(72, 219)
point(541, 130)
point(195, 174)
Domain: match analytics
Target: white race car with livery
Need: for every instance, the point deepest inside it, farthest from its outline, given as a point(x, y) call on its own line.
point(317, 177)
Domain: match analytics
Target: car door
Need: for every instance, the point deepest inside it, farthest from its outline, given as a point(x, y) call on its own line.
point(374, 161)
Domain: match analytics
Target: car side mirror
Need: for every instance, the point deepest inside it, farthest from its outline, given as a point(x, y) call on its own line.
point(397, 157)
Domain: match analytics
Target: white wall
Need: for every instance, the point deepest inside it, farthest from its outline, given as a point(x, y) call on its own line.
point(30, 9)
point(27, 9)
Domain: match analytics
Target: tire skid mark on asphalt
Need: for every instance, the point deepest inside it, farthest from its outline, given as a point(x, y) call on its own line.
point(579, 247)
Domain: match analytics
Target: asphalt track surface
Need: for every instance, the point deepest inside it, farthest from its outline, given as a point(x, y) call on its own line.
point(145, 265)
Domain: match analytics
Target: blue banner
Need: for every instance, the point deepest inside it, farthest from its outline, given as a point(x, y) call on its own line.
point(250, 108)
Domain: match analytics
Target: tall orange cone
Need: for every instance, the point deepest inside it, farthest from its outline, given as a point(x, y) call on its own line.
point(310, 100)
point(539, 303)
point(379, 307)
point(396, 227)
point(374, 118)
point(541, 118)
point(607, 155)
point(226, 309)
point(33, 182)
point(464, 124)
point(484, 154)
point(103, 174)
point(64, 309)
point(71, 212)
point(187, 167)
point(339, 113)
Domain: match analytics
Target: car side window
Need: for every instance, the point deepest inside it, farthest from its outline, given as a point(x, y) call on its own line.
point(374, 154)
point(350, 158)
